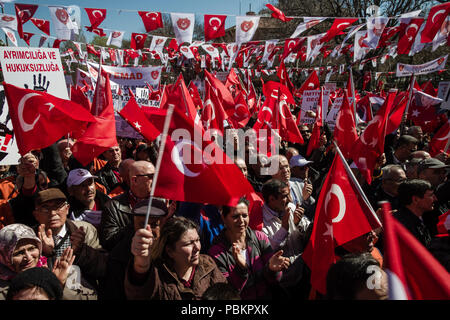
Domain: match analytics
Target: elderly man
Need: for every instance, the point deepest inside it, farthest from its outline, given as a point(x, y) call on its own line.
point(392, 176)
point(124, 171)
point(285, 225)
point(300, 191)
point(109, 175)
point(86, 202)
point(58, 233)
point(116, 216)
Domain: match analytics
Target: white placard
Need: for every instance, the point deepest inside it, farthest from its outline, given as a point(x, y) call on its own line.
point(310, 100)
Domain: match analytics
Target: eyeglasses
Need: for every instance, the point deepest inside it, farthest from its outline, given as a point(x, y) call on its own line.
point(148, 175)
point(49, 209)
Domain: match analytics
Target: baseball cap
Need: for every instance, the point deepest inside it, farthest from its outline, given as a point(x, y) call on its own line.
point(78, 176)
point(431, 163)
point(298, 161)
point(49, 194)
point(159, 208)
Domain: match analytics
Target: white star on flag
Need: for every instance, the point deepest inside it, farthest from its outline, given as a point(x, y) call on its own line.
point(329, 231)
point(415, 113)
point(137, 125)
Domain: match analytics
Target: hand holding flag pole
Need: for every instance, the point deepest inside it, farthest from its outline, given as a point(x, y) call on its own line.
point(158, 161)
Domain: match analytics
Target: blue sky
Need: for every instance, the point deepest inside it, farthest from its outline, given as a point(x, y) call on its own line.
point(127, 19)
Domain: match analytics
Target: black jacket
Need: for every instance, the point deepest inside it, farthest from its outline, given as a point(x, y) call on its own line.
point(414, 225)
point(107, 177)
point(116, 217)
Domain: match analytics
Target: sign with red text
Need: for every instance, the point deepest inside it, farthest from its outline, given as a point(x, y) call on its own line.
point(310, 99)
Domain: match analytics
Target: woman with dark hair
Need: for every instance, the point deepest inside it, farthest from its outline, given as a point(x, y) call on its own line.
point(245, 256)
point(171, 268)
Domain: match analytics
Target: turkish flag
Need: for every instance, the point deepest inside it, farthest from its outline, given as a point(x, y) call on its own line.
point(370, 144)
point(133, 114)
point(40, 119)
point(413, 272)
point(214, 26)
point(311, 83)
point(222, 91)
point(41, 24)
point(342, 214)
point(440, 139)
point(408, 34)
point(195, 169)
point(232, 79)
point(24, 12)
point(97, 31)
point(77, 96)
point(138, 41)
point(213, 115)
point(240, 116)
point(151, 20)
point(292, 45)
point(27, 36)
point(396, 115)
point(338, 25)
point(96, 16)
point(345, 130)
point(386, 35)
point(435, 19)
point(284, 77)
point(423, 107)
point(101, 135)
point(277, 13)
point(193, 92)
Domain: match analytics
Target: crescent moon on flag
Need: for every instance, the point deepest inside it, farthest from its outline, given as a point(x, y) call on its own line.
point(28, 13)
point(289, 43)
point(26, 126)
point(213, 113)
point(280, 108)
point(436, 14)
point(374, 121)
point(338, 122)
point(268, 109)
point(177, 158)
point(337, 191)
point(446, 137)
point(239, 105)
point(343, 23)
point(93, 13)
point(415, 26)
point(215, 19)
point(138, 38)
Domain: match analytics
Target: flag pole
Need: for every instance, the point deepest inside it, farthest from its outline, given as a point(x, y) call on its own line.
point(447, 145)
point(355, 182)
point(158, 161)
point(405, 114)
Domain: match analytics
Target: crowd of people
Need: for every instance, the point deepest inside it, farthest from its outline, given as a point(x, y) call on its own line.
point(78, 232)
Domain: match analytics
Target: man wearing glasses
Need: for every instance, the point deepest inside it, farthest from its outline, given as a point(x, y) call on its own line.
point(116, 217)
point(58, 233)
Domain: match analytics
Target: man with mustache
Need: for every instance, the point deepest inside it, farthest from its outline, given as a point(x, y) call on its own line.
point(86, 203)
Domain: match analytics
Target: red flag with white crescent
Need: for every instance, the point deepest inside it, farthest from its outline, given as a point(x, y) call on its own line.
point(214, 26)
point(96, 16)
point(337, 27)
point(37, 117)
point(138, 41)
point(41, 24)
point(435, 19)
point(342, 214)
point(151, 20)
point(345, 129)
point(24, 12)
point(407, 35)
point(195, 169)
